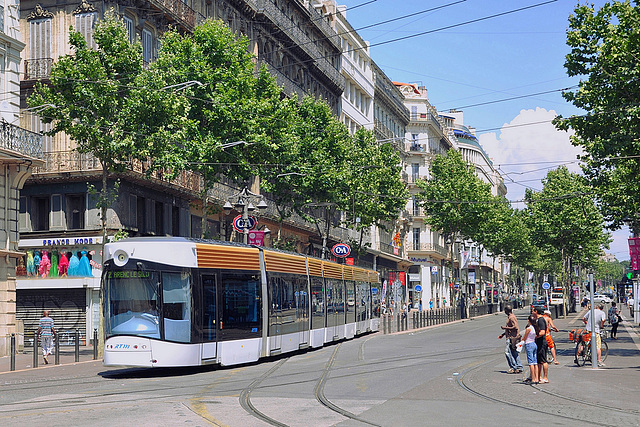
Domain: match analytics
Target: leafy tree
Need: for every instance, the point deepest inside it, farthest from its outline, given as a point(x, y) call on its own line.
point(377, 191)
point(106, 103)
point(454, 198)
point(605, 52)
point(236, 119)
point(565, 223)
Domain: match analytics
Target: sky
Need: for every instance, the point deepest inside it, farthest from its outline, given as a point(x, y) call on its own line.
point(500, 62)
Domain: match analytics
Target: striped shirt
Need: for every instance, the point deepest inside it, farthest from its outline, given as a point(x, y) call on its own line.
point(46, 324)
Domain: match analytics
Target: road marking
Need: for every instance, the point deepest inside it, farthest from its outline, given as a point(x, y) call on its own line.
point(632, 333)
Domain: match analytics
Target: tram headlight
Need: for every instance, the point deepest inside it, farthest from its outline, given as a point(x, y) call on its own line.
point(120, 258)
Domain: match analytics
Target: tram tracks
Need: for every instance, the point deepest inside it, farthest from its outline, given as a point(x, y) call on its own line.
point(574, 413)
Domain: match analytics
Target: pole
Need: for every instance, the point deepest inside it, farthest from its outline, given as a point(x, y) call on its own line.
point(13, 351)
point(245, 221)
point(594, 347)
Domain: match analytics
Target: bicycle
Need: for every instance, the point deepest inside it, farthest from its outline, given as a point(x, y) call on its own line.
point(583, 349)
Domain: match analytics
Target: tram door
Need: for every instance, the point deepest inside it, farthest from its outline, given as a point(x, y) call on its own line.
point(209, 320)
point(335, 309)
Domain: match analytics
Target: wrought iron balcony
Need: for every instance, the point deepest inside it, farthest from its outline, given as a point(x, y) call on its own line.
point(37, 69)
point(432, 248)
point(178, 10)
point(20, 140)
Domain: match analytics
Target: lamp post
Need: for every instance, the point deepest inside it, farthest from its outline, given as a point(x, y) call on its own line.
point(244, 203)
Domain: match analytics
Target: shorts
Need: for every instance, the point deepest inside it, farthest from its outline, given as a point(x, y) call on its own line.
point(550, 342)
point(542, 351)
point(532, 349)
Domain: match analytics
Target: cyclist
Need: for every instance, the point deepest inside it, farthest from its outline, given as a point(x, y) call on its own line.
point(600, 317)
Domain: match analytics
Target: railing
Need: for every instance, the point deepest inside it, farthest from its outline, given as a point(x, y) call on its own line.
point(73, 161)
point(416, 319)
point(178, 10)
point(285, 24)
point(17, 139)
point(431, 247)
point(36, 69)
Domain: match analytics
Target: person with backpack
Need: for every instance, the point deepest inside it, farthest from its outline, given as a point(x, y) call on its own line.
point(614, 319)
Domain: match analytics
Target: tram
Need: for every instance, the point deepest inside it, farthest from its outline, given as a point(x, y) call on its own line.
point(172, 301)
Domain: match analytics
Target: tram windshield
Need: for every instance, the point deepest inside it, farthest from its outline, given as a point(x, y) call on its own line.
point(132, 303)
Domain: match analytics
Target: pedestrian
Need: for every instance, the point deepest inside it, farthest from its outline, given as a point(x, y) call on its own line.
point(529, 339)
point(431, 304)
point(550, 344)
point(512, 333)
point(404, 311)
point(46, 333)
point(420, 304)
point(541, 344)
point(600, 318)
point(614, 319)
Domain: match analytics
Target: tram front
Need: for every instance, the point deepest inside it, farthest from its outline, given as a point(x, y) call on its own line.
point(147, 310)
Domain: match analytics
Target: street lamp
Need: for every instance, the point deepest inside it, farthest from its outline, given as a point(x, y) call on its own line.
point(244, 203)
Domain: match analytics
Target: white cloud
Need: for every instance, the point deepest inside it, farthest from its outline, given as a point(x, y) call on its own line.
point(528, 147)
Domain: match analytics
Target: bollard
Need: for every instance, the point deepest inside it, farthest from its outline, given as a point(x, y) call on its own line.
point(95, 344)
point(13, 352)
point(77, 345)
point(398, 322)
point(414, 322)
point(35, 350)
point(384, 324)
point(57, 357)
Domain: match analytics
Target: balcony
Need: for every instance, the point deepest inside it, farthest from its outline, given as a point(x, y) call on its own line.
point(303, 42)
point(14, 138)
point(432, 248)
point(177, 10)
point(37, 69)
point(63, 163)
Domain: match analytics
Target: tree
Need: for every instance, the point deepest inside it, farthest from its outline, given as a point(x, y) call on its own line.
point(108, 105)
point(377, 191)
point(605, 52)
point(454, 198)
point(565, 223)
point(236, 120)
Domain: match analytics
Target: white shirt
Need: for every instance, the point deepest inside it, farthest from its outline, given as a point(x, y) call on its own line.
point(599, 317)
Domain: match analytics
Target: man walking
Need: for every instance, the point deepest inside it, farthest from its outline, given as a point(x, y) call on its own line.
point(46, 332)
point(512, 332)
point(600, 317)
point(541, 343)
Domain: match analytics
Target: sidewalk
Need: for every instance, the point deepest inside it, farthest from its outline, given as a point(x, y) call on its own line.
point(24, 360)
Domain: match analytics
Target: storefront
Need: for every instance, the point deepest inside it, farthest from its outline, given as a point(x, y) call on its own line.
point(62, 276)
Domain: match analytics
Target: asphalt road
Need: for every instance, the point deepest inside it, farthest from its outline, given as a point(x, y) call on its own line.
point(446, 375)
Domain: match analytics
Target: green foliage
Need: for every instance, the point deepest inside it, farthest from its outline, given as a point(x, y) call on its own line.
point(455, 200)
point(565, 221)
point(605, 47)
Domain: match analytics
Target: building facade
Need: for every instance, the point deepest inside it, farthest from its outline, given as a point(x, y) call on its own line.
point(20, 152)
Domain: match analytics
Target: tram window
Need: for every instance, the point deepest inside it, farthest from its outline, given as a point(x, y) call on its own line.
point(176, 306)
point(240, 306)
point(349, 307)
point(132, 303)
point(317, 303)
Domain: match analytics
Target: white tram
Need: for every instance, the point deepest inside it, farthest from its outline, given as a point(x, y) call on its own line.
point(188, 302)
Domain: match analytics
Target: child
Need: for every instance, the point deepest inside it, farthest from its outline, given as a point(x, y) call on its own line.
point(529, 339)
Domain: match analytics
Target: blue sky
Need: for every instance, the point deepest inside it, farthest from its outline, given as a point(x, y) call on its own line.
point(512, 65)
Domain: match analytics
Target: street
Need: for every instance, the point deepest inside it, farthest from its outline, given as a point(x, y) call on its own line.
point(452, 374)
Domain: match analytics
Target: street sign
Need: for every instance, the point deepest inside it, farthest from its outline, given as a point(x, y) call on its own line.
point(240, 226)
point(546, 285)
point(417, 288)
point(341, 250)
